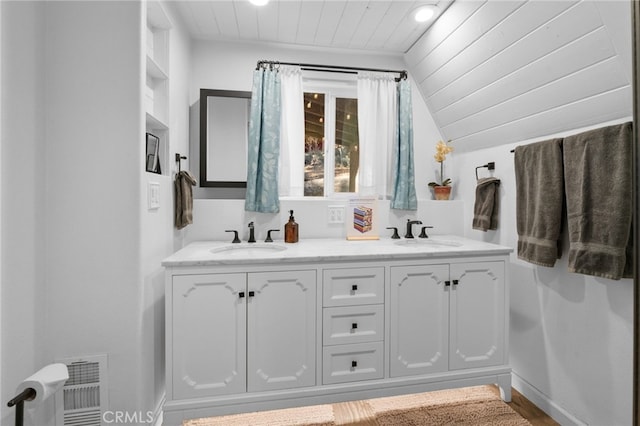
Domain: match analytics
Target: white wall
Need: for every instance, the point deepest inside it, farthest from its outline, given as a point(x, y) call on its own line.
point(499, 74)
point(571, 335)
point(229, 66)
point(23, 193)
point(159, 237)
point(93, 239)
point(80, 251)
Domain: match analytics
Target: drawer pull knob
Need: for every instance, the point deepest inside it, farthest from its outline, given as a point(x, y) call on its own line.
point(241, 294)
point(354, 364)
point(354, 287)
point(252, 293)
point(354, 325)
point(455, 282)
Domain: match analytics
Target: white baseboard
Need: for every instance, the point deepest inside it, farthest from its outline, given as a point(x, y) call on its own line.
point(543, 402)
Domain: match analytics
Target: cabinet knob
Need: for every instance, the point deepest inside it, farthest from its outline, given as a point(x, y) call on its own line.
point(241, 294)
point(354, 364)
point(252, 293)
point(447, 283)
point(354, 325)
point(455, 282)
point(354, 287)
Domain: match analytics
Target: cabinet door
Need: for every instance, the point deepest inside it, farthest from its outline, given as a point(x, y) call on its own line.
point(281, 330)
point(419, 320)
point(477, 315)
point(209, 335)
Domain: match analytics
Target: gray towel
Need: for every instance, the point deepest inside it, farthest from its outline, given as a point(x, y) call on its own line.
point(598, 183)
point(184, 199)
point(539, 201)
point(485, 210)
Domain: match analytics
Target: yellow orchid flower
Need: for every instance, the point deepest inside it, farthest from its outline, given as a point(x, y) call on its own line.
point(442, 149)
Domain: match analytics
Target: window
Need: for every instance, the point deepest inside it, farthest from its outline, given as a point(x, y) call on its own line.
point(331, 141)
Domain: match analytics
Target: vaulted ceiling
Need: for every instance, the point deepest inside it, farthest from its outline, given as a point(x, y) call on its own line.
point(376, 25)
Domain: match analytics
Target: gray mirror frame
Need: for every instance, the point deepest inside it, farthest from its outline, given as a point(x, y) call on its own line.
point(204, 94)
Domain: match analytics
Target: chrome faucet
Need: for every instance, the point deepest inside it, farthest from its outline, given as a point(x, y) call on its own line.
point(410, 223)
point(252, 237)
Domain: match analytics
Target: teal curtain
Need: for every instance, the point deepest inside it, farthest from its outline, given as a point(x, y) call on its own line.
point(263, 148)
point(403, 196)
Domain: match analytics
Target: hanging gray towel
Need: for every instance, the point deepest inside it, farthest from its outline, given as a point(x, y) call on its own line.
point(485, 209)
point(539, 201)
point(184, 198)
point(598, 183)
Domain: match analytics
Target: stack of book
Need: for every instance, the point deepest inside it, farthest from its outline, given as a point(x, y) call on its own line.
point(362, 219)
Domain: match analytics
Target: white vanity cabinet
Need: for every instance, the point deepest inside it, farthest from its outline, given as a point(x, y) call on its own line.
point(447, 317)
point(326, 321)
point(233, 333)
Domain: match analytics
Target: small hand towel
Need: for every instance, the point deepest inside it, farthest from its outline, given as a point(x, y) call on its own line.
point(539, 201)
point(599, 185)
point(485, 210)
point(184, 198)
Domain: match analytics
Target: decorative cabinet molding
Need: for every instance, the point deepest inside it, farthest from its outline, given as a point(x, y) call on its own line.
point(233, 333)
point(419, 320)
point(461, 305)
point(477, 315)
point(281, 341)
point(209, 330)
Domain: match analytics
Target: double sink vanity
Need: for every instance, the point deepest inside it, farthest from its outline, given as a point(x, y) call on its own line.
point(271, 325)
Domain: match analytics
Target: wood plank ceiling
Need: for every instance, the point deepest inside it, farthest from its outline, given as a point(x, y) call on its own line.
point(377, 25)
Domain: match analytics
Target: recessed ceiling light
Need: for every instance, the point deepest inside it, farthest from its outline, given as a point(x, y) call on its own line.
point(424, 13)
point(258, 2)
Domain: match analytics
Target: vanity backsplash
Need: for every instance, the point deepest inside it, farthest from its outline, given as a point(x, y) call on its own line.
point(212, 217)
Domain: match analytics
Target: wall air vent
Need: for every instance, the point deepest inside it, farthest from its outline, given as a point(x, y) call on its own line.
point(83, 398)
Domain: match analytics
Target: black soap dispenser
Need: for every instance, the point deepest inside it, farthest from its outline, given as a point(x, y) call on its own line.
point(291, 230)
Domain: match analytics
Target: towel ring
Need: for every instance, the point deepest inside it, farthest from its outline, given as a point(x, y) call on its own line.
point(178, 158)
point(489, 166)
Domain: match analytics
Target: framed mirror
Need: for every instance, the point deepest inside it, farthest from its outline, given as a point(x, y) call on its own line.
point(224, 130)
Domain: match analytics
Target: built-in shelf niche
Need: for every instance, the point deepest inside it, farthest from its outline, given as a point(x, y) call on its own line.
point(156, 95)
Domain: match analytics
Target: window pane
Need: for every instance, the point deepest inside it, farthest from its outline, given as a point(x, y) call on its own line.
point(314, 117)
point(346, 149)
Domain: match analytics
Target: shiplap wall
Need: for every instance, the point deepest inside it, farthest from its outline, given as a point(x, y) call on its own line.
point(497, 72)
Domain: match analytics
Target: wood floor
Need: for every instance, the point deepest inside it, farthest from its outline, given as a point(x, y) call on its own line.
point(527, 409)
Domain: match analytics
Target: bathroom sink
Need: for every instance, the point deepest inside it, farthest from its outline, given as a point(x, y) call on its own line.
point(427, 242)
point(248, 249)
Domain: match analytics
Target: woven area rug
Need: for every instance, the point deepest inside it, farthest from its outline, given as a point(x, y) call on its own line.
point(473, 406)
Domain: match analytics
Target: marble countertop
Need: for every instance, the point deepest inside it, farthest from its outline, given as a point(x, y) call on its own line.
point(211, 253)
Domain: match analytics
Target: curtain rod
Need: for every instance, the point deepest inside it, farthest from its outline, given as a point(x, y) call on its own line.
point(332, 68)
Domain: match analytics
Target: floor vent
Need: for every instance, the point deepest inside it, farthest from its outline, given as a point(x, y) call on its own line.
point(83, 398)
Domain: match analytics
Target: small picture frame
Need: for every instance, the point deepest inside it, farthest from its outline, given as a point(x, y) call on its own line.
point(153, 154)
point(362, 219)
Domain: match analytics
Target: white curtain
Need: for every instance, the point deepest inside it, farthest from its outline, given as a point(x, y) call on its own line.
point(377, 117)
point(291, 174)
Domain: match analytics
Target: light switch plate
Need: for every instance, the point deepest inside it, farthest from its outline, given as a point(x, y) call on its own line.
point(153, 195)
point(335, 214)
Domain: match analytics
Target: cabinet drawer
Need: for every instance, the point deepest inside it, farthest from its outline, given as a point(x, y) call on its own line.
point(353, 286)
point(347, 363)
point(352, 324)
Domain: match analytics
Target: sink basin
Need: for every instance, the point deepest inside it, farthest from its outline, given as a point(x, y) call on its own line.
point(248, 249)
point(427, 242)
